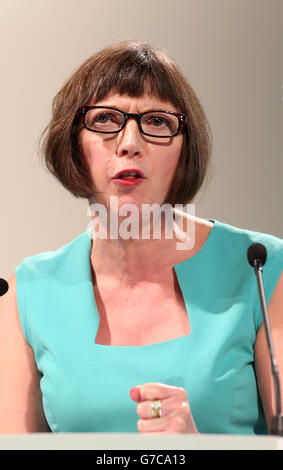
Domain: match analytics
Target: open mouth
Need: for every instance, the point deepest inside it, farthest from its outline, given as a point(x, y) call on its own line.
point(129, 177)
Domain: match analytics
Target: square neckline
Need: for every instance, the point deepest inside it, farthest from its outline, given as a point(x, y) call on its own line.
point(177, 267)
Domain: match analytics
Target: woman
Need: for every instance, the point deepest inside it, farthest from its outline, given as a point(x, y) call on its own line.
point(124, 334)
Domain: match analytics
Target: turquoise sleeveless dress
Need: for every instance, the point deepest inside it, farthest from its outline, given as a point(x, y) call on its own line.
point(85, 386)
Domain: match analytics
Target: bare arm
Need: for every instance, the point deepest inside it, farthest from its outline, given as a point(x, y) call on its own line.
point(262, 360)
point(20, 396)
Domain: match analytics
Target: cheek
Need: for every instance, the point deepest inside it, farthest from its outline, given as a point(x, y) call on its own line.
point(170, 163)
point(89, 150)
point(95, 155)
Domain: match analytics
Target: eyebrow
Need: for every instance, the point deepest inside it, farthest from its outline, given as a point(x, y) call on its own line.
point(141, 112)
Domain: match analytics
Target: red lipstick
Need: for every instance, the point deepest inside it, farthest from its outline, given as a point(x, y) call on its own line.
point(128, 177)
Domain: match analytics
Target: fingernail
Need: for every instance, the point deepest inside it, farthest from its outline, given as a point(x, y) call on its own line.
point(135, 393)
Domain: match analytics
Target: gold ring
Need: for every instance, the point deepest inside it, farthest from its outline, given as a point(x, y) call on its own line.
point(156, 408)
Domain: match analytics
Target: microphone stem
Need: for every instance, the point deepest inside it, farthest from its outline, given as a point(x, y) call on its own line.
point(274, 367)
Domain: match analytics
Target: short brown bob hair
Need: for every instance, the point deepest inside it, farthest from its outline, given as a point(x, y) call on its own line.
point(133, 68)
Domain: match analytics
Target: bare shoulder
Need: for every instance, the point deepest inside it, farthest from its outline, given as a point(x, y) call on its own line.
point(203, 228)
point(10, 330)
point(196, 230)
point(20, 396)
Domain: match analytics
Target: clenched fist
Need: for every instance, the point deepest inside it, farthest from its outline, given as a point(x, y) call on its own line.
point(174, 411)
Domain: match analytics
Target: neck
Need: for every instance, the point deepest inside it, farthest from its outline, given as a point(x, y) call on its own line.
point(131, 260)
point(134, 259)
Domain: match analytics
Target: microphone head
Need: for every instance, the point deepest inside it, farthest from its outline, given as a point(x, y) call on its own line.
point(257, 254)
point(4, 286)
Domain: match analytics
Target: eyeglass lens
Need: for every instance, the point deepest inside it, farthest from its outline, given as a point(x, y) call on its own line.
point(154, 123)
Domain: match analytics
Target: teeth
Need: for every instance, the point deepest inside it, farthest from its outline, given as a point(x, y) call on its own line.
point(129, 173)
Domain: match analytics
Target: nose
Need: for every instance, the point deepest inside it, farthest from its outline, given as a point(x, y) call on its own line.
point(130, 140)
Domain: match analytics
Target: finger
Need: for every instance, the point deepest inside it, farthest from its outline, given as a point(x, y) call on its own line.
point(169, 424)
point(168, 405)
point(156, 391)
point(152, 425)
point(135, 394)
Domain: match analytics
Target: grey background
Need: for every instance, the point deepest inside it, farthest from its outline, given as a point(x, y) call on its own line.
point(231, 52)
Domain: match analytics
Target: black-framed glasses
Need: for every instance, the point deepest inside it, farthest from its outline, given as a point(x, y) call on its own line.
point(108, 120)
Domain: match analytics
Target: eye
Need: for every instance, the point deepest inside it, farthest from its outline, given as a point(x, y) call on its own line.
point(159, 123)
point(103, 118)
point(156, 121)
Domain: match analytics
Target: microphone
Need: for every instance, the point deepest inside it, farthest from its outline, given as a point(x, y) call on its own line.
point(4, 286)
point(257, 256)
